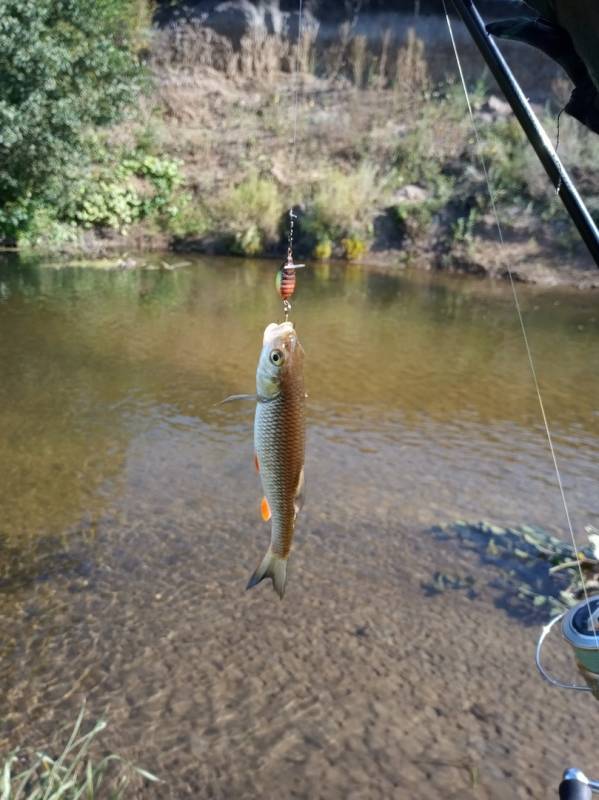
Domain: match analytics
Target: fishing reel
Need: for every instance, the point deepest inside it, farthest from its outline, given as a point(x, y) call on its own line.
point(576, 786)
point(580, 628)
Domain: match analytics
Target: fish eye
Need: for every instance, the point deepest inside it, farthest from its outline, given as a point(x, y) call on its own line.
point(277, 357)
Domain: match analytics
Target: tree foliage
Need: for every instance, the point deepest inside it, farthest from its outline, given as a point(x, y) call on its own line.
point(65, 65)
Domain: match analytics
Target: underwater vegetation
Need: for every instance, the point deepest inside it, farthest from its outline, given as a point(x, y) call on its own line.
point(538, 569)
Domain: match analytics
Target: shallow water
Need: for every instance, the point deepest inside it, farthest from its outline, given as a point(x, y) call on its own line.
point(129, 525)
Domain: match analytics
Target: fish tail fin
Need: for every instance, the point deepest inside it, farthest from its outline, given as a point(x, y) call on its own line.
point(274, 567)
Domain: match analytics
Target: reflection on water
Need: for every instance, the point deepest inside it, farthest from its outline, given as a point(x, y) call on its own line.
point(432, 369)
point(124, 482)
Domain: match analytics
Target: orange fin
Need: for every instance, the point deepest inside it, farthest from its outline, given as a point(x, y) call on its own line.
point(265, 510)
point(256, 464)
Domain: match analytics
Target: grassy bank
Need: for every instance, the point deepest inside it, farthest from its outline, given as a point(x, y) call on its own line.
point(384, 166)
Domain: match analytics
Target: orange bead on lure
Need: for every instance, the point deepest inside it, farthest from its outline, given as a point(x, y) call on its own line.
point(285, 281)
point(279, 442)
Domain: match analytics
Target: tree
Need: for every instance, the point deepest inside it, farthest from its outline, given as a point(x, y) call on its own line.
point(65, 65)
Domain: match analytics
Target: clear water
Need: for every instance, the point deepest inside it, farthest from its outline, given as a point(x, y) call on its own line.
point(129, 523)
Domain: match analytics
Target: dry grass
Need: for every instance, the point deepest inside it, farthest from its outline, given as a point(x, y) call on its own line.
point(371, 118)
point(342, 203)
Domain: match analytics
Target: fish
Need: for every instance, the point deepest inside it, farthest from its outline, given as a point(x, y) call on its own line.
point(279, 444)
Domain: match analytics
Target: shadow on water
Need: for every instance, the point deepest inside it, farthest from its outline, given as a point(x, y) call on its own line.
point(69, 556)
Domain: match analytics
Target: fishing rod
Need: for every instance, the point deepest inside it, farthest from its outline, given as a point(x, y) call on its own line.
point(537, 136)
point(580, 625)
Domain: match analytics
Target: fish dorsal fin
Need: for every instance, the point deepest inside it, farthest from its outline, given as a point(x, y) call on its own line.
point(265, 510)
point(298, 500)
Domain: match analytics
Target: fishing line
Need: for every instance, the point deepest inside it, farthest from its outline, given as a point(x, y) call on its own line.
point(286, 279)
point(520, 317)
point(296, 78)
point(557, 121)
point(296, 67)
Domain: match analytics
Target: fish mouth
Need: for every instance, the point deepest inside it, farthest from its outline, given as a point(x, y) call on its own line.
point(278, 330)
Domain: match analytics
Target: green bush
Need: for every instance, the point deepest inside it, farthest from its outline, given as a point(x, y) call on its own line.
point(66, 65)
point(136, 188)
point(343, 205)
point(251, 211)
point(353, 248)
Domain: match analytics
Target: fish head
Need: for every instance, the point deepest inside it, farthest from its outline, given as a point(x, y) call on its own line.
point(281, 355)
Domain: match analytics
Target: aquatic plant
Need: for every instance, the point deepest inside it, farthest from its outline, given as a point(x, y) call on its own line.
point(541, 570)
point(74, 774)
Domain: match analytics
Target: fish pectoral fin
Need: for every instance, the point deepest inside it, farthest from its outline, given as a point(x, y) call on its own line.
point(233, 397)
point(265, 511)
point(300, 494)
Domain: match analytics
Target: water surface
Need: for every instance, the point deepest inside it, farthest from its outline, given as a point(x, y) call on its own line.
point(129, 524)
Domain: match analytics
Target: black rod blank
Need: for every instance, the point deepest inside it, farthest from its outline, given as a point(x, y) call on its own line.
point(532, 128)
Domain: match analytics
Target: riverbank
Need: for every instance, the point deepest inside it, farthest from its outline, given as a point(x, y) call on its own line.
point(384, 169)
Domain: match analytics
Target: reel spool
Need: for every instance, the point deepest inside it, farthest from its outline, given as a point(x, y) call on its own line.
point(580, 628)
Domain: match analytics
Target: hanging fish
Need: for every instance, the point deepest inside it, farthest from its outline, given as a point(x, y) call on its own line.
point(279, 438)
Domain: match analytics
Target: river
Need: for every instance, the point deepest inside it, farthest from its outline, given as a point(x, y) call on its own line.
point(129, 526)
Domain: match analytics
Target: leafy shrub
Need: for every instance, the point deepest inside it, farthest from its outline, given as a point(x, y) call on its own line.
point(136, 188)
point(353, 248)
point(252, 211)
point(323, 250)
point(343, 205)
point(248, 242)
point(65, 65)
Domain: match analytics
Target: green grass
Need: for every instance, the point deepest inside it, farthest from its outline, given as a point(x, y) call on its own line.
point(251, 212)
point(73, 775)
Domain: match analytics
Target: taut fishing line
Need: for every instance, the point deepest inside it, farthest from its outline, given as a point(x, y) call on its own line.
point(520, 318)
point(296, 68)
point(286, 279)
